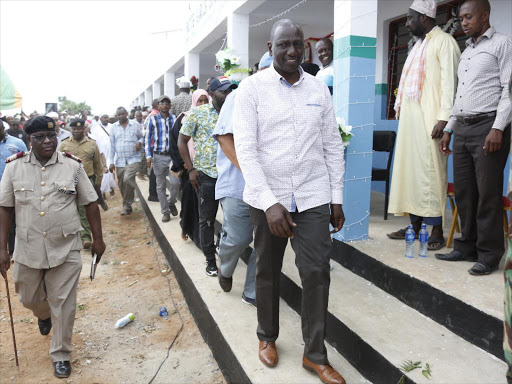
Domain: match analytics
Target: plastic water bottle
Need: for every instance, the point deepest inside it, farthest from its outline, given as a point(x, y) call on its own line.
point(409, 242)
point(125, 320)
point(164, 313)
point(423, 241)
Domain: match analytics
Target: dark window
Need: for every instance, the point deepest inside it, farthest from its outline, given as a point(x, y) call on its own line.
point(398, 49)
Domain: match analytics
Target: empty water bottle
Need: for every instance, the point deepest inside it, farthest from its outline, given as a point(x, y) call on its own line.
point(164, 313)
point(125, 320)
point(423, 241)
point(409, 242)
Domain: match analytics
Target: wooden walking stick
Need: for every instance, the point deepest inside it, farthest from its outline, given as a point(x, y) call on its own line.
point(12, 321)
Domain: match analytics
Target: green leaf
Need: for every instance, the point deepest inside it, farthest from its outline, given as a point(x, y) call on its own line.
point(427, 372)
point(409, 365)
point(402, 380)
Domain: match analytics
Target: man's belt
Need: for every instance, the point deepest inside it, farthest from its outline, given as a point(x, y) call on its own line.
point(473, 119)
point(164, 153)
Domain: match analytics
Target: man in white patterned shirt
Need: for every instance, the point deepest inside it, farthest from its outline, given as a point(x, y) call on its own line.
point(290, 153)
point(480, 123)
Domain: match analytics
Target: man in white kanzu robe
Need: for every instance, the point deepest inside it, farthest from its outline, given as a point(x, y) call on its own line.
point(424, 105)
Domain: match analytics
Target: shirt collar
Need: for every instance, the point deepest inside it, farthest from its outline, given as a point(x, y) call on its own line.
point(79, 142)
point(328, 65)
point(433, 32)
point(488, 34)
point(283, 80)
point(53, 160)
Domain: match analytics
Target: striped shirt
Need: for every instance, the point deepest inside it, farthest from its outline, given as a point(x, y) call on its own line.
point(122, 144)
point(484, 71)
point(158, 132)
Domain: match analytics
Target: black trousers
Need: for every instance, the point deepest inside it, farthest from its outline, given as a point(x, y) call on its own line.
point(208, 207)
point(478, 183)
point(311, 244)
point(152, 184)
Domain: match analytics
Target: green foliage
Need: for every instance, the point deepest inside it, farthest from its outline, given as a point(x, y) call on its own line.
point(71, 106)
point(408, 365)
point(427, 372)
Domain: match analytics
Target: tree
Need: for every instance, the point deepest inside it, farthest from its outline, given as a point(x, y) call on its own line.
point(71, 106)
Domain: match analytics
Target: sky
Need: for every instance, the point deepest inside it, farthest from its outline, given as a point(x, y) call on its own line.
point(101, 52)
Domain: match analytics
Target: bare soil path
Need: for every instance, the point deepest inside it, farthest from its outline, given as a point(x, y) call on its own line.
point(133, 276)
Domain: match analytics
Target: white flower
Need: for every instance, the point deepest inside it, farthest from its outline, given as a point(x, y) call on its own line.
point(340, 121)
point(235, 60)
point(347, 128)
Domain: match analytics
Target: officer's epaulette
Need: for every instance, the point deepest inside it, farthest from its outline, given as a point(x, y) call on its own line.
point(64, 139)
point(18, 155)
point(71, 156)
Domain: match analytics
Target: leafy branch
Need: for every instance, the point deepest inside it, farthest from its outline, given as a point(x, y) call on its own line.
point(409, 365)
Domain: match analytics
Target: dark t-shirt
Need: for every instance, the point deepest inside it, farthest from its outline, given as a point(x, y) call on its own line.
point(19, 134)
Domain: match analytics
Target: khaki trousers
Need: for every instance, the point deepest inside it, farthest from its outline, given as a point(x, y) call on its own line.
point(127, 184)
point(52, 292)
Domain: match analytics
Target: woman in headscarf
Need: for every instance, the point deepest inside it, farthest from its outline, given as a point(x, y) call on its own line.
point(189, 214)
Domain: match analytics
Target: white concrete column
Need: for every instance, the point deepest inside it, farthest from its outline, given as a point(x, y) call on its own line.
point(141, 100)
point(148, 97)
point(157, 92)
point(192, 65)
point(238, 37)
point(169, 84)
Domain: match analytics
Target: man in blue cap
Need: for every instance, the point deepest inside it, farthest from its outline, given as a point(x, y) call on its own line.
point(199, 125)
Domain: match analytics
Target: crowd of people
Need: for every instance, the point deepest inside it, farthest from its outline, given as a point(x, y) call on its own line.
point(273, 163)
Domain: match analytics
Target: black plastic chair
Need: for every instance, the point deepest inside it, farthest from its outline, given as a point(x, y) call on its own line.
point(384, 141)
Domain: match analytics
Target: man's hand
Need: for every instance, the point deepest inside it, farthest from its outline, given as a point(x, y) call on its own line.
point(149, 162)
point(98, 247)
point(444, 144)
point(112, 168)
point(5, 262)
point(193, 176)
point(105, 169)
point(437, 132)
point(493, 141)
point(138, 145)
point(280, 221)
point(337, 217)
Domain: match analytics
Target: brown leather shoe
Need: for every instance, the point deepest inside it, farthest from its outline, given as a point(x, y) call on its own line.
point(268, 353)
point(326, 373)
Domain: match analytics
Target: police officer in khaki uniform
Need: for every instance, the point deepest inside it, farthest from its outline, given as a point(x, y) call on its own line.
point(86, 150)
point(45, 186)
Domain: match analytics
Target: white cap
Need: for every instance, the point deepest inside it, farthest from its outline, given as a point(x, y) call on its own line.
point(425, 7)
point(53, 115)
point(184, 84)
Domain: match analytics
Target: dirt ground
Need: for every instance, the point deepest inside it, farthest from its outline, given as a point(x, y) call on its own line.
point(133, 276)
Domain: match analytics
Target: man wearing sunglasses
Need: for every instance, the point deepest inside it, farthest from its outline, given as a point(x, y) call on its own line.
point(43, 188)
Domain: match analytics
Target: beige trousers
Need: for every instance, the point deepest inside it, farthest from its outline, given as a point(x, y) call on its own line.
point(52, 292)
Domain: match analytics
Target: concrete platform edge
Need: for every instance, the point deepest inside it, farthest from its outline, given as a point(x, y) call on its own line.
point(473, 325)
point(222, 352)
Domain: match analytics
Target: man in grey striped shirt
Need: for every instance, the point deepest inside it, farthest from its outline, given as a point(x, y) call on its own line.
point(480, 124)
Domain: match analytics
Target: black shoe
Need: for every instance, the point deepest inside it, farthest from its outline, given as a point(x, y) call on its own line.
point(104, 206)
point(454, 256)
point(125, 212)
point(45, 326)
point(225, 282)
point(61, 369)
point(153, 198)
point(248, 301)
point(166, 218)
point(174, 210)
point(211, 268)
point(480, 269)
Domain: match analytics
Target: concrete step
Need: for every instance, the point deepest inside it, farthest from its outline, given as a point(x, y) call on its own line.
point(471, 307)
point(395, 332)
point(228, 325)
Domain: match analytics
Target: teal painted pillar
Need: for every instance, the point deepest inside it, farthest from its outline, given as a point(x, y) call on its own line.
point(355, 31)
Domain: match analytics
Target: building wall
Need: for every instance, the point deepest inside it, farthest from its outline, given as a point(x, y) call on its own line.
point(390, 10)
